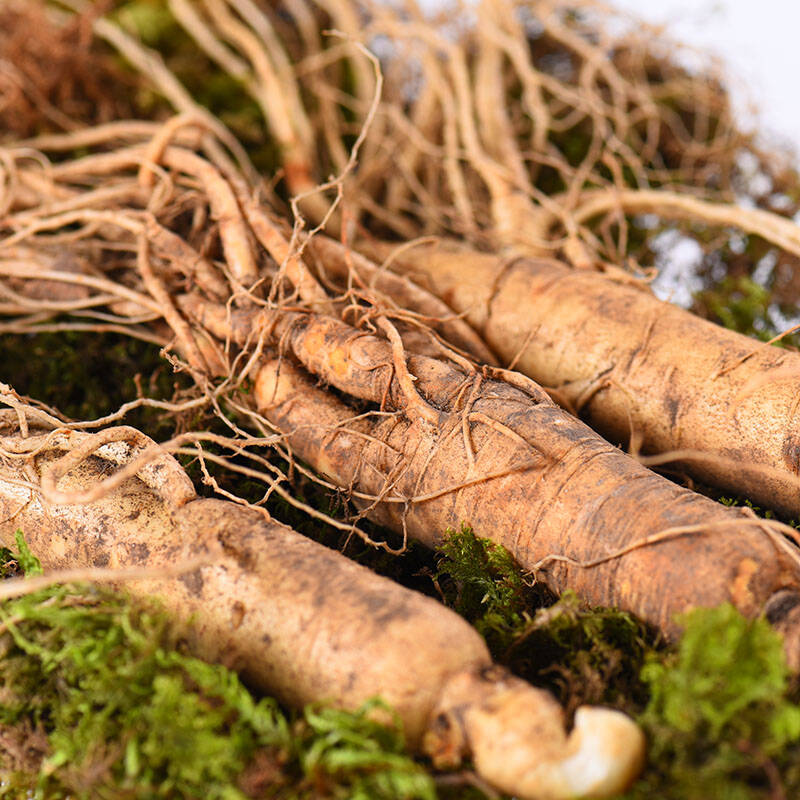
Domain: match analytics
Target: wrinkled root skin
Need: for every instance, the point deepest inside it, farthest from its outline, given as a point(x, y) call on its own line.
point(630, 362)
point(567, 492)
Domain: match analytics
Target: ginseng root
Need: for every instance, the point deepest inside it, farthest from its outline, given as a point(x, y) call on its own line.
point(298, 619)
point(721, 406)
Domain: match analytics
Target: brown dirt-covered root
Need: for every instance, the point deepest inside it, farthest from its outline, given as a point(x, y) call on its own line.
point(638, 370)
point(52, 74)
point(569, 506)
point(300, 620)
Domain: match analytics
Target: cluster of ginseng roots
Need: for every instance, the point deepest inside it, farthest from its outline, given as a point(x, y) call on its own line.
point(386, 124)
point(157, 234)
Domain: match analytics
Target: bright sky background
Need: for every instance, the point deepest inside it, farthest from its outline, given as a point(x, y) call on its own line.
point(758, 40)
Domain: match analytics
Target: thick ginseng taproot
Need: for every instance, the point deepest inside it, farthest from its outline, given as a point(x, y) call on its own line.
point(526, 474)
point(302, 621)
point(726, 406)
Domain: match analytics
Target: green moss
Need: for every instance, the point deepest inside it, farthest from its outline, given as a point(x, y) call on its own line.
point(764, 513)
point(22, 562)
point(574, 143)
point(86, 375)
point(24, 558)
point(483, 583)
point(741, 305)
point(109, 707)
point(584, 655)
point(721, 720)
point(336, 744)
point(150, 19)
point(116, 709)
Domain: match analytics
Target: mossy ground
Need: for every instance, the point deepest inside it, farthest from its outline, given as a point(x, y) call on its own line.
point(97, 699)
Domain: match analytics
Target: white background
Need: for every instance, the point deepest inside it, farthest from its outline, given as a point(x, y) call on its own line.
point(759, 43)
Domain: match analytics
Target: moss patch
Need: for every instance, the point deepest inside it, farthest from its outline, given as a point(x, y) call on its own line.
point(96, 700)
point(722, 719)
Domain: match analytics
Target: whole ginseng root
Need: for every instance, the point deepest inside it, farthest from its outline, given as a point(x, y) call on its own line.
point(297, 619)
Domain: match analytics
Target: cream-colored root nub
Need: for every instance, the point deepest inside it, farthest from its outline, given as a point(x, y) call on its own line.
point(609, 749)
point(518, 741)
